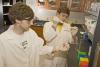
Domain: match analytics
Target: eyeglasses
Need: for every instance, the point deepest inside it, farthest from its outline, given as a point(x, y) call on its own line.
point(29, 18)
point(64, 15)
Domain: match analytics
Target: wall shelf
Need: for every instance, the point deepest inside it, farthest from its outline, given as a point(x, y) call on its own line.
point(7, 5)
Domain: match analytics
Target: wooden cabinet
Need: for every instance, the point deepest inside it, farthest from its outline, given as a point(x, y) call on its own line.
point(74, 5)
point(39, 31)
point(79, 5)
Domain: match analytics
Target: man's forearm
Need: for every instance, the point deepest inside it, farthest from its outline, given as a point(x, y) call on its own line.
point(51, 39)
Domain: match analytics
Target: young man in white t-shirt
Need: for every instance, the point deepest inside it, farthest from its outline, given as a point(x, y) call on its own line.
point(19, 45)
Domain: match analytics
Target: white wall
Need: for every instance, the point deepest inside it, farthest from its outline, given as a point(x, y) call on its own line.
point(40, 12)
point(43, 13)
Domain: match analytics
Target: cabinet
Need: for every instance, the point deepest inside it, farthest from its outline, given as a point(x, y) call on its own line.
point(74, 5)
point(6, 4)
point(4, 8)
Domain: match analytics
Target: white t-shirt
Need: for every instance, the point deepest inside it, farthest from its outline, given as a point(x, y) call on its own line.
point(14, 54)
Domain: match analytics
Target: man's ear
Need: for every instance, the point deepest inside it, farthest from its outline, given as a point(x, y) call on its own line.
point(17, 21)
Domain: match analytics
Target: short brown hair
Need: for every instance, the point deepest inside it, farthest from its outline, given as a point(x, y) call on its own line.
point(63, 10)
point(20, 11)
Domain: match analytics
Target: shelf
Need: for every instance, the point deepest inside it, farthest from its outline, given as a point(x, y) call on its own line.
point(7, 5)
point(93, 17)
point(5, 14)
point(94, 13)
point(76, 2)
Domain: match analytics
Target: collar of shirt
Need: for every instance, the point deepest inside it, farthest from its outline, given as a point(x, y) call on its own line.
point(10, 34)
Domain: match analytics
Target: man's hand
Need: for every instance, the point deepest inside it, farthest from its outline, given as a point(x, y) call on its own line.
point(63, 47)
